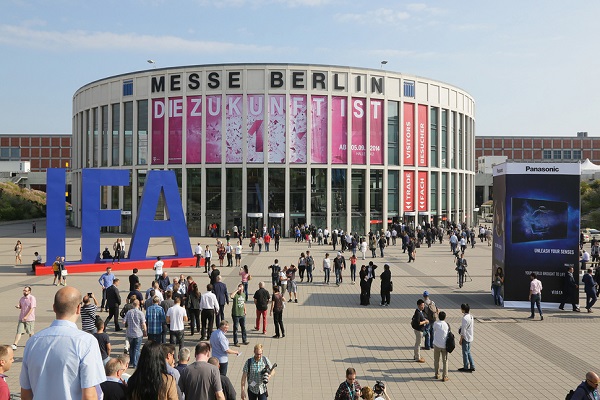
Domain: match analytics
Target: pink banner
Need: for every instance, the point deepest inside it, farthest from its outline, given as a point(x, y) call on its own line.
point(422, 139)
point(175, 126)
point(255, 128)
point(233, 134)
point(318, 142)
point(158, 131)
point(193, 133)
point(298, 129)
point(339, 130)
point(422, 191)
point(376, 133)
point(408, 140)
point(409, 196)
point(277, 128)
point(359, 132)
point(214, 112)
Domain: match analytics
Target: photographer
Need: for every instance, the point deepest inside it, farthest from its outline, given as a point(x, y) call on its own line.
point(461, 269)
point(257, 372)
point(377, 393)
point(349, 389)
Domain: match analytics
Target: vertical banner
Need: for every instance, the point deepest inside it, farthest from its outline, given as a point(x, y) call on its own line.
point(193, 132)
point(408, 142)
point(214, 131)
point(276, 128)
point(318, 142)
point(376, 133)
point(255, 128)
point(298, 129)
point(339, 130)
point(422, 192)
point(422, 138)
point(537, 221)
point(175, 126)
point(409, 196)
point(359, 132)
point(158, 131)
point(233, 131)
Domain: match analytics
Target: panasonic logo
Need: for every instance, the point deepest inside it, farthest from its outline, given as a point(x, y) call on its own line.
point(541, 169)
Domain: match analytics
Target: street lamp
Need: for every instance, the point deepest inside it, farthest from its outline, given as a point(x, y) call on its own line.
point(152, 62)
point(383, 63)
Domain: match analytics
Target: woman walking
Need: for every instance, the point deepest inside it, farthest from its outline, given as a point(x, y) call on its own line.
point(18, 250)
point(302, 266)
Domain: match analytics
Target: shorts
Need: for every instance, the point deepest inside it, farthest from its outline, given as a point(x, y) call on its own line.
point(57, 274)
point(25, 327)
point(292, 287)
point(238, 256)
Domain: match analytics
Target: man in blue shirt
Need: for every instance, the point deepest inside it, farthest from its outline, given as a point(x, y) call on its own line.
point(220, 346)
point(48, 352)
point(155, 318)
point(105, 281)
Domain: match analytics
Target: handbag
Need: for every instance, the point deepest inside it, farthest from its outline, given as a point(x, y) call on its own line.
point(64, 273)
point(249, 277)
point(450, 341)
point(391, 286)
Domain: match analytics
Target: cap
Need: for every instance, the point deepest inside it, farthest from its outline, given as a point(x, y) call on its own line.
point(425, 293)
point(339, 253)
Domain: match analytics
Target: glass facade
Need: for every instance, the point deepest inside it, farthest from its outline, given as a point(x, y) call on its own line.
point(358, 200)
point(116, 118)
point(213, 196)
point(105, 136)
point(142, 132)
point(233, 191)
point(433, 139)
point(393, 133)
point(318, 195)
point(194, 201)
point(338, 199)
point(128, 144)
point(376, 200)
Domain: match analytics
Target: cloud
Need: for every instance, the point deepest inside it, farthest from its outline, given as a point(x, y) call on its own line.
point(378, 16)
point(261, 3)
point(422, 7)
point(24, 36)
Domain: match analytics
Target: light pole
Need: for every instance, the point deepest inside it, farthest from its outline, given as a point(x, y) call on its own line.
point(383, 63)
point(152, 62)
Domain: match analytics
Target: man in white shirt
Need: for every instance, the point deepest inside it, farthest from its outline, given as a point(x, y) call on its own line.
point(238, 254)
point(198, 255)
point(176, 316)
point(158, 268)
point(209, 306)
point(466, 337)
point(535, 295)
point(440, 334)
point(229, 254)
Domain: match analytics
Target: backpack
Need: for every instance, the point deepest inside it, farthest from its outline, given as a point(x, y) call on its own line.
point(450, 341)
point(310, 261)
point(569, 395)
point(414, 323)
point(431, 312)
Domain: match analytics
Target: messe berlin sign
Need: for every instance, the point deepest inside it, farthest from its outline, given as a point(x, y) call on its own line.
point(93, 217)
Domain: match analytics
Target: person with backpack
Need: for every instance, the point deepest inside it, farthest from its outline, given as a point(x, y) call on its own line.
point(418, 323)
point(277, 306)
point(461, 269)
point(587, 389)
point(275, 273)
point(431, 313)
point(310, 263)
point(441, 329)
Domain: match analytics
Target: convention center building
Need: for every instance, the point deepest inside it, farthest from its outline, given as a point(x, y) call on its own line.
point(281, 145)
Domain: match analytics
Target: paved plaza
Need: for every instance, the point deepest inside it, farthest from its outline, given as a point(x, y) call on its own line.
point(328, 331)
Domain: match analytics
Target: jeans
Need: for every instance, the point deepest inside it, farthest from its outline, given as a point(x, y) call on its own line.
point(278, 319)
point(497, 297)
point(223, 368)
point(461, 279)
point(266, 249)
point(428, 336)
point(309, 276)
point(135, 344)
point(242, 322)
point(276, 246)
point(194, 320)
point(176, 337)
point(263, 314)
point(590, 298)
point(381, 250)
point(254, 396)
point(338, 276)
point(155, 337)
point(535, 300)
point(353, 272)
point(466, 352)
point(245, 289)
point(327, 272)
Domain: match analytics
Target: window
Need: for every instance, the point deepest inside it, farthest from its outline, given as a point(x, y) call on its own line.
point(577, 154)
point(567, 154)
point(409, 89)
point(393, 133)
point(128, 87)
point(433, 141)
point(547, 154)
point(557, 154)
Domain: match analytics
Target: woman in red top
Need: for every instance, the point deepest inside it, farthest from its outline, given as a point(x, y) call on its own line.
point(221, 252)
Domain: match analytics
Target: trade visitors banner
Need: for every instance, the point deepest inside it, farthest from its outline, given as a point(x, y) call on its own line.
point(422, 141)
point(536, 228)
point(409, 194)
point(233, 131)
point(422, 192)
point(359, 132)
point(214, 112)
point(376, 132)
point(158, 131)
point(318, 130)
point(193, 130)
point(298, 125)
point(255, 128)
point(339, 130)
point(175, 127)
point(276, 135)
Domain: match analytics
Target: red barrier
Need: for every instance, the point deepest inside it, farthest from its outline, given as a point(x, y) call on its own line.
point(77, 268)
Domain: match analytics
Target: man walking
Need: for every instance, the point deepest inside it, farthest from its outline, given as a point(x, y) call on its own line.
point(105, 281)
point(135, 322)
point(588, 389)
point(176, 316)
point(570, 291)
point(277, 306)
point(261, 300)
point(431, 313)
point(339, 263)
point(27, 304)
point(461, 269)
point(590, 290)
point(441, 329)
point(113, 302)
point(46, 353)
point(418, 324)
point(198, 254)
point(238, 314)
point(220, 291)
point(220, 346)
point(200, 380)
point(155, 319)
point(535, 295)
point(466, 338)
point(209, 306)
point(254, 377)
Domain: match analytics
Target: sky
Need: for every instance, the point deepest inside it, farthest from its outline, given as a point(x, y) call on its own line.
point(531, 66)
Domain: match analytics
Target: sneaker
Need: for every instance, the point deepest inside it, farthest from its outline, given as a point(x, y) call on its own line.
point(246, 343)
point(464, 370)
point(295, 301)
point(13, 346)
point(445, 379)
point(436, 376)
point(290, 300)
point(236, 344)
point(421, 360)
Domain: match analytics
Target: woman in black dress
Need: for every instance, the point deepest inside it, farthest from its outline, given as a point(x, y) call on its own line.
point(364, 286)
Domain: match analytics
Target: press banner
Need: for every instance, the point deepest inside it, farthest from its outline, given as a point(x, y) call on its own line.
point(214, 124)
point(193, 130)
point(175, 127)
point(298, 123)
point(339, 130)
point(255, 128)
point(423, 137)
point(276, 129)
point(233, 131)
point(359, 132)
point(318, 130)
point(158, 131)
point(422, 191)
point(376, 132)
